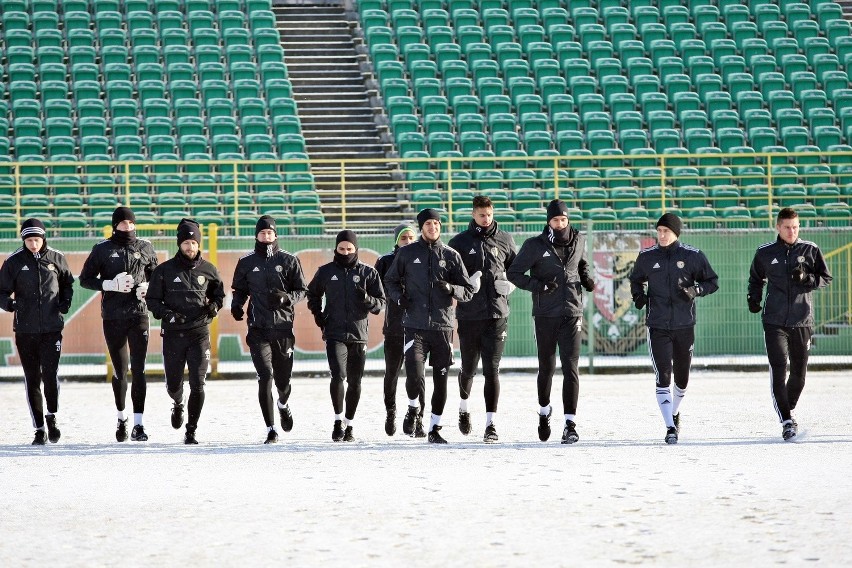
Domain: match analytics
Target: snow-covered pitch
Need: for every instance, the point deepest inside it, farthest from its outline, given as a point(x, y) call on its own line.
point(730, 493)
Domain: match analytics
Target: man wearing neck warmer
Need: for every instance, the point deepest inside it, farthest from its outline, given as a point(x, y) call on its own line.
point(404, 234)
point(36, 286)
point(186, 293)
point(120, 267)
point(558, 273)
point(341, 295)
point(423, 280)
point(487, 253)
point(272, 281)
point(667, 278)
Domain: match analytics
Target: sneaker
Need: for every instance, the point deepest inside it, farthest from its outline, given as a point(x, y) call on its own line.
point(337, 432)
point(271, 437)
point(793, 418)
point(464, 422)
point(788, 430)
point(138, 434)
point(177, 415)
point(569, 433)
point(347, 435)
point(390, 422)
point(286, 418)
point(435, 436)
point(676, 419)
point(544, 426)
point(408, 421)
point(419, 432)
point(121, 431)
point(53, 432)
point(490, 434)
point(40, 438)
point(671, 435)
point(189, 437)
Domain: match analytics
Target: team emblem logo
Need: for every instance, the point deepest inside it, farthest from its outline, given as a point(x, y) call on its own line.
point(201, 279)
point(801, 259)
point(51, 267)
point(278, 268)
point(680, 264)
point(442, 263)
point(356, 279)
point(494, 251)
point(137, 256)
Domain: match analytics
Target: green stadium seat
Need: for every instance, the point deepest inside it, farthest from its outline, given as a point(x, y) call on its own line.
point(837, 214)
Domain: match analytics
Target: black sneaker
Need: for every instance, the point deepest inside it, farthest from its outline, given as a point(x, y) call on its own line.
point(286, 418)
point(40, 438)
point(189, 437)
point(337, 432)
point(788, 431)
point(676, 419)
point(177, 415)
point(271, 437)
point(569, 433)
point(671, 435)
point(435, 436)
point(408, 421)
point(490, 434)
point(121, 431)
point(347, 435)
point(544, 426)
point(419, 432)
point(138, 434)
point(390, 422)
point(464, 422)
point(53, 432)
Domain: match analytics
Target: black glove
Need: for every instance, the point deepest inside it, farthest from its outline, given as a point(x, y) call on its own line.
point(361, 294)
point(640, 301)
point(588, 283)
point(174, 317)
point(403, 302)
point(549, 287)
point(237, 312)
point(211, 310)
point(753, 306)
point(10, 306)
point(64, 307)
point(278, 299)
point(691, 292)
point(318, 319)
point(444, 287)
point(800, 275)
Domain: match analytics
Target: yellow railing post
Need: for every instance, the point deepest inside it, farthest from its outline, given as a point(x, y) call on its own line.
point(769, 188)
point(127, 184)
point(213, 257)
point(556, 178)
point(450, 193)
point(236, 201)
point(17, 170)
point(663, 183)
point(343, 194)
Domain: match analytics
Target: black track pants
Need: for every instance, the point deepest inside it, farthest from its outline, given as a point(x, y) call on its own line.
point(39, 354)
point(671, 352)
point(785, 344)
point(272, 355)
point(189, 349)
point(566, 333)
point(394, 358)
point(127, 343)
point(436, 348)
point(482, 339)
point(346, 362)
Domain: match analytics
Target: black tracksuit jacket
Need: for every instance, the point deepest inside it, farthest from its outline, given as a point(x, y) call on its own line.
point(344, 315)
point(257, 275)
point(184, 286)
point(393, 313)
point(109, 259)
point(42, 289)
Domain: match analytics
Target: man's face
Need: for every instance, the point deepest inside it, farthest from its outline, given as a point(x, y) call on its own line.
point(406, 238)
point(189, 248)
point(665, 236)
point(266, 236)
point(126, 226)
point(34, 244)
point(483, 216)
point(345, 247)
point(431, 229)
point(558, 222)
point(788, 229)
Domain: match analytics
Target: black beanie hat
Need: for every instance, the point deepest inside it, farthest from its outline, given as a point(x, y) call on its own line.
point(265, 222)
point(32, 228)
point(188, 229)
point(122, 214)
point(427, 214)
point(671, 221)
point(400, 229)
point(348, 236)
point(556, 208)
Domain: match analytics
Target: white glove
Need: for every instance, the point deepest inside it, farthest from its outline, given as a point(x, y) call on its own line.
point(504, 287)
point(122, 283)
point(476, 280)
point(142, 291)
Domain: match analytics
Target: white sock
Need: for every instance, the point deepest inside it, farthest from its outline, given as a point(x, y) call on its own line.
point(122, 415)
point(338, 417)
point(570, 417)
point(489, 418)
point(414, 402)
point(463, 405)
point(434, 420)
point(348, 421)
point(664, 399)
point(137, 419)
point(679, 393)
point(43, 428)
point(281, 405)
point(544, 410)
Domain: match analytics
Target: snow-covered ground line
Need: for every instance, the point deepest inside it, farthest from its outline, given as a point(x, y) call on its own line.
point(730, 493)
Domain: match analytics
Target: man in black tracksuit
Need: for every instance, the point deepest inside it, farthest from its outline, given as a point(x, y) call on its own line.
point(186, 293)
point(791, 269)
point(352, 290)
point(556, 261)
point(36, 284)
point(423, 280)
point(121, 266)
point(403, 235)
point(487, 253)
point(676, 274)
point(274, 280)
